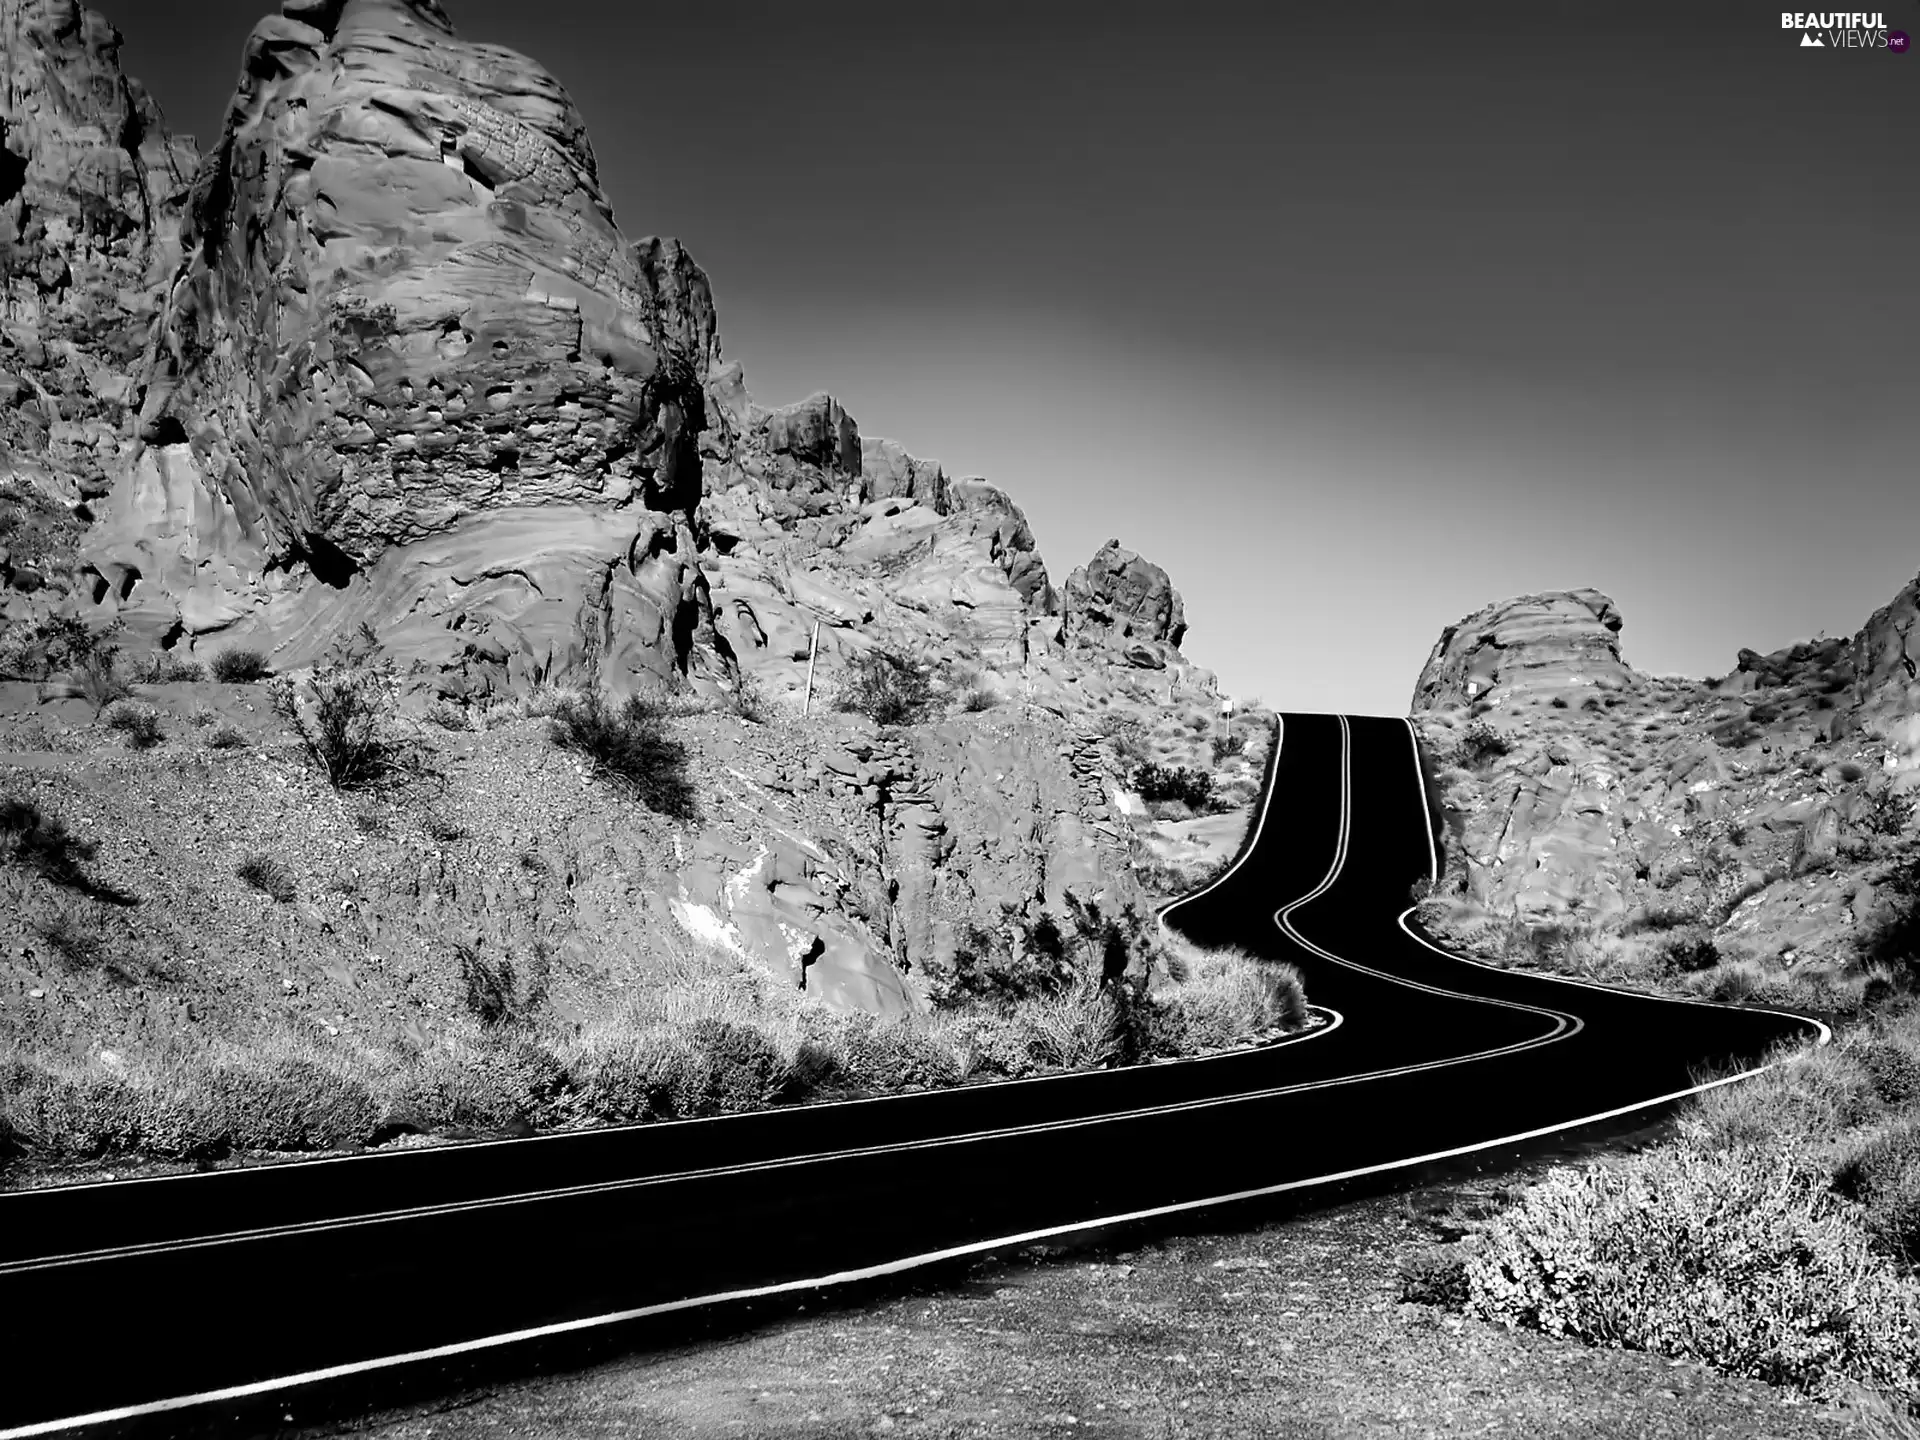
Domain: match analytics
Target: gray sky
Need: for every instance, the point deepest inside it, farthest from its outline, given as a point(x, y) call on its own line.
point(1355, 318)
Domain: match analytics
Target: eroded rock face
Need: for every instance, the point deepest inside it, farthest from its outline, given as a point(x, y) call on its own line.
point(396, 367)
point(407, 321)
point(1119, 600)
point(1751, 813)
point(1537, 646)
point(91, 193)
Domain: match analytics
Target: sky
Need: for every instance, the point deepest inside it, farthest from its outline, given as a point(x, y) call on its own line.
point(1356, 318)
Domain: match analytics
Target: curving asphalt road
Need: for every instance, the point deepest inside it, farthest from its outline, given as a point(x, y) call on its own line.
point(146, 1305)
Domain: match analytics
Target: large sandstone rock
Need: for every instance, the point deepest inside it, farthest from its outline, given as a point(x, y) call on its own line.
point(1535, 646)
point(407, 321)
point(393, 365)
point(1122, 601)
point(1751, 810)
point(91, 194)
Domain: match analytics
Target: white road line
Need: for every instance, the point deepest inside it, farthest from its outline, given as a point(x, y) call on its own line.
point(1433, 878)
point(362, 1367)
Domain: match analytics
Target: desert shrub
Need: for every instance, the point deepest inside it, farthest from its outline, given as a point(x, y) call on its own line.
point(442, 827)
point(630, 747)
point(484, 1082)
point(449, 716)
point(1076, 1028)
point(744, 1068)
point(1881, 1171)
point(495, 994)
point(1808, 1094)
point(1894, 1069)
point(226, 737)
point(1851, 770)
point(888, 689)
point(1003, 966)
point(1689, 950)
point(886, 1056)
point(344, 719)
point(991, 1043)
point(1887, 813)
point(98, 679)
point(1127, 738)
point(139, 723)
point(79, 1114)
point(57, 643)
point(240, 667)
point(653, 1075)
point(1224, 997)
point(1228, 745)
point(977, 698)
point(1178, 783)
point(751, 702)
point(1481, 745)
point(293, 1102)
point(163, 667)
point(1739, 1259)
point(269, 876)
point(1435, 1275)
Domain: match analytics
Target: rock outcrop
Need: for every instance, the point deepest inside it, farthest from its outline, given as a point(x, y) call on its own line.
point(411, 373)
point(1118, 600)
point(383, 361)
point(92, 192)
point(1748, 817)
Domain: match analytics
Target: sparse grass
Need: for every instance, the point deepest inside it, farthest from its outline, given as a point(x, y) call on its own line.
point(269, 876)
point(226, 736)
point(449, 716)
point(139, 723)
point(97, 678)
point(630, 747)
point(163, 667)
point(888, 689)
point(344, 717)
point(442, 827)
point(240, 667)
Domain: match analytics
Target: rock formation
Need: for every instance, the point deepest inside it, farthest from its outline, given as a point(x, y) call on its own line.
point(384, 360)
point(92, 190)
point(1747, 817)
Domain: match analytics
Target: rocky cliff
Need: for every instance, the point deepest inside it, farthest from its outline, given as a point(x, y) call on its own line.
point(383, 362)
point(1751, 830)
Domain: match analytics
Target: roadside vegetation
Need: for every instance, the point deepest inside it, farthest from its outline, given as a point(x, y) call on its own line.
point(713, 1035)
point(1775, 1236)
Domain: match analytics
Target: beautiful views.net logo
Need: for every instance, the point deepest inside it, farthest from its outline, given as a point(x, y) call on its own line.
point(1843, 30)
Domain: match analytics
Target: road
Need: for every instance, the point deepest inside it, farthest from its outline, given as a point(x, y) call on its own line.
point(147, 1306)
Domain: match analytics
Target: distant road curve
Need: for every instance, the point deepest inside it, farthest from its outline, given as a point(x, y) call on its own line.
point(190, 1296)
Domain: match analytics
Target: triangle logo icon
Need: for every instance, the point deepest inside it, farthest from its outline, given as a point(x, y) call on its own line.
point(1809, 42)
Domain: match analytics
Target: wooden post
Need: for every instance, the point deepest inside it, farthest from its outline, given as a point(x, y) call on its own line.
point(813, 646)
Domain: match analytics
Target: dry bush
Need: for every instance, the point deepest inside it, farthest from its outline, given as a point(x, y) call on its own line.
point(164, 667)
point(632, 748)
point(1808, 1095)
point(1223, 997)
point(240, 667)
point(269, 876)
point(139, 723)
point(1740, 1258)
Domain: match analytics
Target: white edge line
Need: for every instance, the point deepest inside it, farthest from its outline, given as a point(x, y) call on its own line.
point(337, 1372)
point(441, 1352)
point(1824, 1037)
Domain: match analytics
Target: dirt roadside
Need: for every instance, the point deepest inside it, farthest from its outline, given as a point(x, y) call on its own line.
point(1288, 1325)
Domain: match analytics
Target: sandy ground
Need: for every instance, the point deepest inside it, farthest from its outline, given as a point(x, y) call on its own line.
point(1283, 1326)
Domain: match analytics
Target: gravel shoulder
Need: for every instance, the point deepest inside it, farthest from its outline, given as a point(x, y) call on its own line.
point(1287, 1325)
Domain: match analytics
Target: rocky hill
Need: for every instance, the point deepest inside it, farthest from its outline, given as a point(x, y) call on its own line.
point(1750, 834)
point(380, 372)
